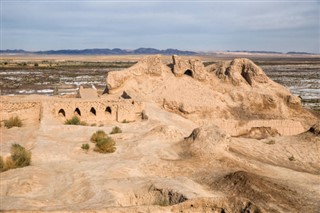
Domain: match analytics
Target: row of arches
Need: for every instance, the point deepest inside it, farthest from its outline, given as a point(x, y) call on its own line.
point(77, 111)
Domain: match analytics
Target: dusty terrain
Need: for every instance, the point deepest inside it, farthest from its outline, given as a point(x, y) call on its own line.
point(225, 139)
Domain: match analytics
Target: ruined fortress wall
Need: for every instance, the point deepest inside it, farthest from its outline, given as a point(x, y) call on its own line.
point(28, 112)
point(284, 127)
point(97, 110)
point(90, 111)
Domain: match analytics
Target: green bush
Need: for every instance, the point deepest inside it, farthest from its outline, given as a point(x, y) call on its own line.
point(75, 120)
point(105, 145)
point(20, 156)
point(13, 121)
point(116, 130)
point(97, 136)
point(85, 146)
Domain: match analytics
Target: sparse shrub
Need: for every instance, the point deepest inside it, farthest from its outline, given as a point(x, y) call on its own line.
point(2, 165)
point(13, 121)
point(125, 121)
point(75, 120)
point(85, 146)
point(20, 156)
point(105, 145)
point(9, 164)
point(101, 125)
point(36, 64)
point(116, 130)
point(291, 158)
point(94, 124)
point(97, 136)
point(271, 142)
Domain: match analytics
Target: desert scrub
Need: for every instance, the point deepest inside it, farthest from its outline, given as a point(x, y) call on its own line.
point(100, 134)
point(13, 121)
point(20, 157)
point(270, 142)
point(116, 130)
point(85, 147)
point(105, 145)
point(2, 165)
point(291, 158)
point(75, 120)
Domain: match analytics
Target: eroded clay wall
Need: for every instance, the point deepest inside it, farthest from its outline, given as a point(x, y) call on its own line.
point(97, 110)
point(28, 112)
point(284, 127)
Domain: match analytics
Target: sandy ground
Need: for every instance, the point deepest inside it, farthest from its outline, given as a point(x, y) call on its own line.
point(155, 167)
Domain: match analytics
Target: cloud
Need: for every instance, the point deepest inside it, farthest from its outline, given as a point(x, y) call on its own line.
point(187, 25)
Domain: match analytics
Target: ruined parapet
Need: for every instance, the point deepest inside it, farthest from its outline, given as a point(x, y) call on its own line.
point(191, 67)
point(239, 71)
point(87, 93)
point(28, 111)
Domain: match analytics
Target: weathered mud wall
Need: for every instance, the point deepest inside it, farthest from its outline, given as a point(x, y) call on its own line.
point(28, 112)
point(284, 127)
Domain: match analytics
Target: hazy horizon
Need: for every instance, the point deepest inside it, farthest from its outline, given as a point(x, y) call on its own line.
point(280, 26)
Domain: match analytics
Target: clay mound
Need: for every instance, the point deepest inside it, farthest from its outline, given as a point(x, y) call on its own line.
point(260, 133)
point(206, 141)
point(239, 71)
point(272, 197)
point(235, 90)
point(150, 65)
point(170, 132)
point(315, 129)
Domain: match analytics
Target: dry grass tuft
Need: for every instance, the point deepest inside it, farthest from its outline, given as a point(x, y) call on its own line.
point(105, 145)
point(20, 157)
point(12, 122)
point(98, 135)
point(116, 130)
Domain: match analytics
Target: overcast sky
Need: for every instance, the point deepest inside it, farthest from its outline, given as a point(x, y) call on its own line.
point(186, 25)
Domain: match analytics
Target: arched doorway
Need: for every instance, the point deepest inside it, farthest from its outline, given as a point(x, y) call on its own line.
point(108, 110)
point(77, 112)
point(189, 73)
point(62, 113)
point(93, 111)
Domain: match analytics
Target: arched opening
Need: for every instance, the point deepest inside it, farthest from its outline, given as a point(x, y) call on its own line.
point(77, 112)
point(93, 111)
point(108, 110)
point(189, 73)
point(62, 113)
point(125, 95)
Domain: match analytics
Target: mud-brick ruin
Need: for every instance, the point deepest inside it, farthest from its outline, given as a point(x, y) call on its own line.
point(34, 109)
point(236, 95)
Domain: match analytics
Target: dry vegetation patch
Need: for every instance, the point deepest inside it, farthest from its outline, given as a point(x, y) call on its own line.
point(13, 122)
point(20, 157)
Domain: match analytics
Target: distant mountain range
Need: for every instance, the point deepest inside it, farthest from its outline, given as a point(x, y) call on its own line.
point(115, 51)
point(139, 51)
point(269, 52)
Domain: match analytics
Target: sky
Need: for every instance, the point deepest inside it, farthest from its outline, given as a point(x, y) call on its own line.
point(186, 25)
